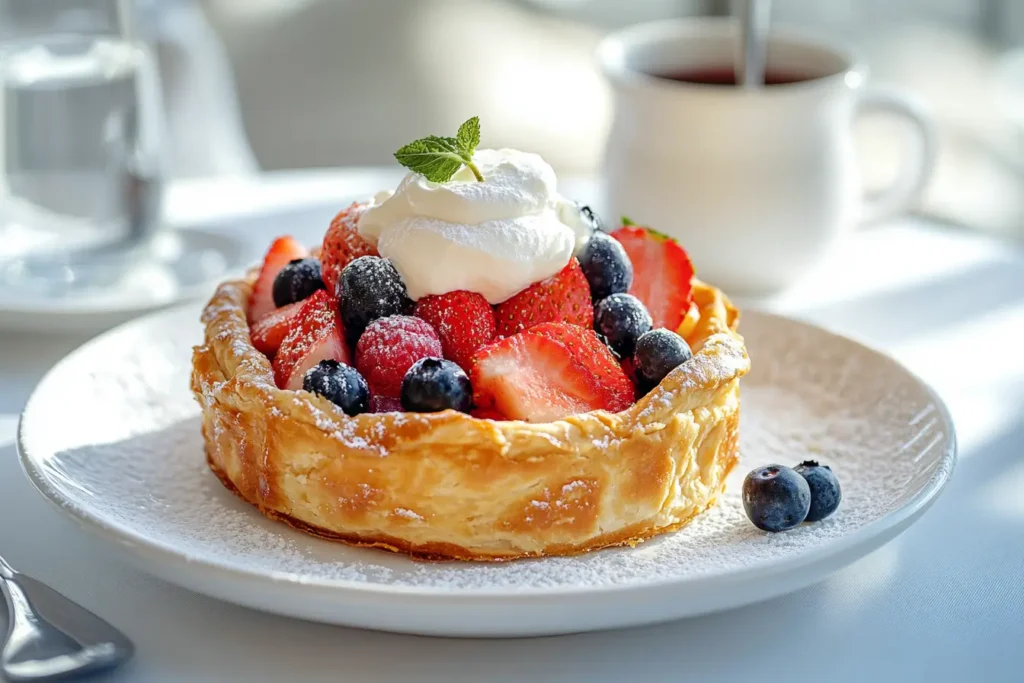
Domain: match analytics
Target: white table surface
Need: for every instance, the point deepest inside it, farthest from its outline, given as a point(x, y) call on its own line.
point(943, 602)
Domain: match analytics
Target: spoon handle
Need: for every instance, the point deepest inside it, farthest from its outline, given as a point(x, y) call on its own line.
point(755, 16)
point(49, 637)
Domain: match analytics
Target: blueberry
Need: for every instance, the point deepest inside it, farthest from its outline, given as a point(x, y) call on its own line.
point(297, 281)
point(433, 384)
point(606, 266)
point(621, 319)
point(658, 353)
point(340, 384)
point(825, 491)
point(590, 218)
point(776, 498)
point(370, 288)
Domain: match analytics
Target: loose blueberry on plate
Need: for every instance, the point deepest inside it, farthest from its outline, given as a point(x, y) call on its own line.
point(606, 266)
point(433, 384)
point(370, 288)
point(658, 353)
point(825, 491)
point(340, 384)
point(621, 319)
point(297, 281)
point(776, 498)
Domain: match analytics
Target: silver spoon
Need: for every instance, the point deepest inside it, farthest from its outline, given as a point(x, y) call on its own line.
point(50, 638)
point(755, 16)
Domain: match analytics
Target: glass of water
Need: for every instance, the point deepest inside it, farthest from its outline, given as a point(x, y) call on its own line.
point(80, 152)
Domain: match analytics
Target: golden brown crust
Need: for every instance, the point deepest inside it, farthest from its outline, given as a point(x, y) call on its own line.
point(446, 485)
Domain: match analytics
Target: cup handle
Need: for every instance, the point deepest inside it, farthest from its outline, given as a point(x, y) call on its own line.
point(919, 162)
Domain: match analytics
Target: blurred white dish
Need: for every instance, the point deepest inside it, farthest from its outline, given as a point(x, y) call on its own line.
point(128, 465)
point(185, 265)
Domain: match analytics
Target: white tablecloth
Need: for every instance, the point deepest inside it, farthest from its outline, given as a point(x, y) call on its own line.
point(943, 602)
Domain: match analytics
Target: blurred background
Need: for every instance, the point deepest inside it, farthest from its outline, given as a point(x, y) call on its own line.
point(254, 85)
point(345, 82)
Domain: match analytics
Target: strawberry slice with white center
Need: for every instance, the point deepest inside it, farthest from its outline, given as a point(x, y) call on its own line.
point(662, 274)
point(268, 332)
point(315, 335)
point(535, 378)
point(283, 250)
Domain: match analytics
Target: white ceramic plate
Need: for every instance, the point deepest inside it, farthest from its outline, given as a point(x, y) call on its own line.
point(111, 436)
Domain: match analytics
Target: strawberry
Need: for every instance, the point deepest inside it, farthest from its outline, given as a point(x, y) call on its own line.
point(268, 332)
point(587, 348)
point(283, 250)
point(538, 378)
point(342, 245)
point(563, 297)
point(389, 347)
point(315, 335)
point(662, 274)
point(487, 414)
point(464, 321)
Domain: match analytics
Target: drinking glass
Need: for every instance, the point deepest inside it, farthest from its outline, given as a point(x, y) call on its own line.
point(80, 145)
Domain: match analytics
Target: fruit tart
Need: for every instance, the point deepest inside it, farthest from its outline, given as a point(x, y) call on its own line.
point(473, 367)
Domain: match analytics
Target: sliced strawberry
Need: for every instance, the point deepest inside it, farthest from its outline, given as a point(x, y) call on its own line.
point(342, 245)
point(463, 320)
point(283, 250)
point(487, 414)
point(315, 335)
point(662, 274)
point(563, 297)
point(588, 349)
point(536, 378)
point(268, 332)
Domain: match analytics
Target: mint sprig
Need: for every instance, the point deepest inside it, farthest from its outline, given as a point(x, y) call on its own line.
point(439, 158)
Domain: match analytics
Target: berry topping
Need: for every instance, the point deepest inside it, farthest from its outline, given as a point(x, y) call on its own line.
point(281, 252)
point(297, 281)
point(563, 297)
point(662, 274)
point(536, 377)
point(433, 384)
point(463, 320)
point(590, 218)
point(825, 491)
point(606, 266)
point(487, 414)
point(587, 348)
point(658, 353)
point(621, 319)
point(342, 245)
point(776, 498)
point(385, 404)
point(315, 335)
point(268, 332)
point(340, 384)
point(370, 289)
point(389, 347)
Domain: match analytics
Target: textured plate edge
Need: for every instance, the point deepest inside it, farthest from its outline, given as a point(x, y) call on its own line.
point(140, 546)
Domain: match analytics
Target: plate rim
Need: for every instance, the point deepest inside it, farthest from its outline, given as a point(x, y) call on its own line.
point(144, 547)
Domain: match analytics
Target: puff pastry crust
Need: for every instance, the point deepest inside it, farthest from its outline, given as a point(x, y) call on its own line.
point(447, 485)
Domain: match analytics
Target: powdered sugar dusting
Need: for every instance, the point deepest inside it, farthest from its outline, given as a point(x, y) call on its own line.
point(132, 458)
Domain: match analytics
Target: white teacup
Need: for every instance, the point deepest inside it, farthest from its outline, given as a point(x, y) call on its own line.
point(756, 184)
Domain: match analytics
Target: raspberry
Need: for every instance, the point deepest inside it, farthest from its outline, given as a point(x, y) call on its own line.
point(389, 347)
point(464, 321)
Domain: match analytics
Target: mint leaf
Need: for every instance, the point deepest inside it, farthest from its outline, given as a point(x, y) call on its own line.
point(626, 220)
point(439, 158)
point(468, 136)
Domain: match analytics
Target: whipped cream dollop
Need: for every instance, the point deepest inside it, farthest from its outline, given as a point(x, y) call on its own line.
point(495, 237)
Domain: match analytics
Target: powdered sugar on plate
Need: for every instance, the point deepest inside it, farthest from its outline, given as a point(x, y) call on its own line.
point(131, 459)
